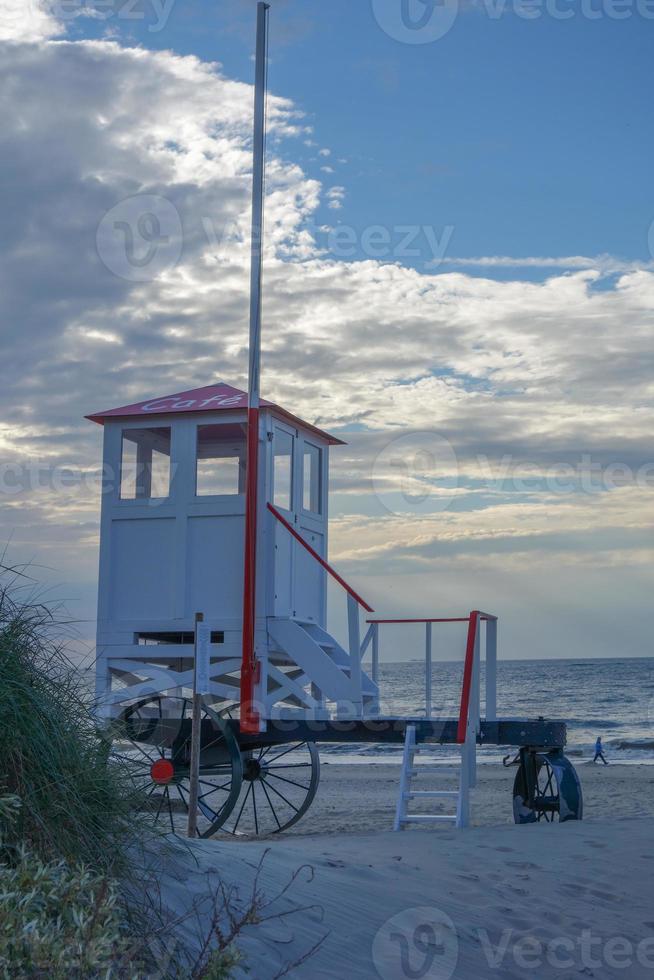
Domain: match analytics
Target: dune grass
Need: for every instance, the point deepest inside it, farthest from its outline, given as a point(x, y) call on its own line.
point(68, 821)
point(72, 805)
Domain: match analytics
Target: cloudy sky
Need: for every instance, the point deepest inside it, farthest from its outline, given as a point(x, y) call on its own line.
point(459, 281)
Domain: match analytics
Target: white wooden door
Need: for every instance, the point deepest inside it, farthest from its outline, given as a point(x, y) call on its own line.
point(309, 576)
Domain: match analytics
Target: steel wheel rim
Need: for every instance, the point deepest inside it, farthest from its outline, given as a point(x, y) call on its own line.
point(219, 783)
point(557, 791)
point(279, 785)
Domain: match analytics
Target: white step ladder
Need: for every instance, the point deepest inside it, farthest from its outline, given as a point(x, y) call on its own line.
point(460, 818)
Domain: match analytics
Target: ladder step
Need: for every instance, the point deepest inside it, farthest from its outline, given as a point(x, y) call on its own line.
point(429, 818)
point(432, 794)
point(434, 771)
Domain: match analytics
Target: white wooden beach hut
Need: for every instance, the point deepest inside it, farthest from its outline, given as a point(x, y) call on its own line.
point(172, 534)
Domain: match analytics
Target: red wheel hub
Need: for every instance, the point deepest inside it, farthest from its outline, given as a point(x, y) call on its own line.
point(162, 771)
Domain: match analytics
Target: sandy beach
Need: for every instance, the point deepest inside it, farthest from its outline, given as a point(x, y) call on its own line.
point(566, 901)
point(361, 798)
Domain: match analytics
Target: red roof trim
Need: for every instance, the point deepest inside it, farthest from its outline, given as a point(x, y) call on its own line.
point(212, 398)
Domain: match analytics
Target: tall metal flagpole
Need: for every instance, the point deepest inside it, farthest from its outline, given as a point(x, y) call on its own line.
point(250, 667)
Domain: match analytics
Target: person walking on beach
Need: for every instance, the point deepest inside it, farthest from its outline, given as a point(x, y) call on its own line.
point(599, 751)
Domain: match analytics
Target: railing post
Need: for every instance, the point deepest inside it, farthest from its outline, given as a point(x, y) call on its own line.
point(354, 636)
point(428, 671)
point(475, 708)
point(375, 653)
point(491, 670)
point(201, 685)
point(463, 805)
point(375, 705)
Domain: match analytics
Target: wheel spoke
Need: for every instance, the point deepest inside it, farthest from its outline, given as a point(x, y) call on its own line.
point(148, 795)
point(161, 803)
point(125, 758)
point(170, 810)
point(274, 812)
point(254, 805)
point(140, 749)
point(292, 765)
point(209, 792)
point(240, 812)
point(225, 789)
point(292, 748)
point(182, 797)
point(291, 781)
point(216, 741)
point(205, 782)
point(288, 802)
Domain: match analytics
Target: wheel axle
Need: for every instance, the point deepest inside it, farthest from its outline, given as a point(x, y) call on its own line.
point(162, 772)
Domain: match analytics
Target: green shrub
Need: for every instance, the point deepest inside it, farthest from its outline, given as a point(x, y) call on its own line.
point(59, 922)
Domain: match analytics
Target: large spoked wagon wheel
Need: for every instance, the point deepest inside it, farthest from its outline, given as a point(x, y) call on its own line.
point(152, 740)
point(279, 784)
point(546, 788)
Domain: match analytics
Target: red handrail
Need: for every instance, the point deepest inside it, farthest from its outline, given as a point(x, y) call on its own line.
point(321, 561)
point(467, 676)
point(455, 619)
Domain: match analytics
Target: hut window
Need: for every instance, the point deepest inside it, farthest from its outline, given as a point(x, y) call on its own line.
point(283, 469)
point(145, 464)
point(311, 479)
point(220, 466)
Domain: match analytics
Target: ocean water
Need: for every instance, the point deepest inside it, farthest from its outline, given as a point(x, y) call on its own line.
point(611, 698)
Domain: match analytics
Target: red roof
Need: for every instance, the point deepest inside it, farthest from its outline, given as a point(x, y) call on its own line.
point(212, 398)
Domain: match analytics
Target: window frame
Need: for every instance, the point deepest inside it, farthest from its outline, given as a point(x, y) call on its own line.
point(242, 458)
point(292, 491)
point(317, 476)
point(123, 437)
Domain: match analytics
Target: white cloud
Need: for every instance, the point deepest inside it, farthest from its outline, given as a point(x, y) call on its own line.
point(28, 20)
point(606, 264)
point(336, 196)
point(544, 371)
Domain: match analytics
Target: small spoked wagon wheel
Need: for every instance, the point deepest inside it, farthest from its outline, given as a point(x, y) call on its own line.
point(279, 784)
point(152, 740)
point(546, 788)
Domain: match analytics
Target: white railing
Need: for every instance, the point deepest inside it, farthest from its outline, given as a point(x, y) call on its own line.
point(371, 640)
